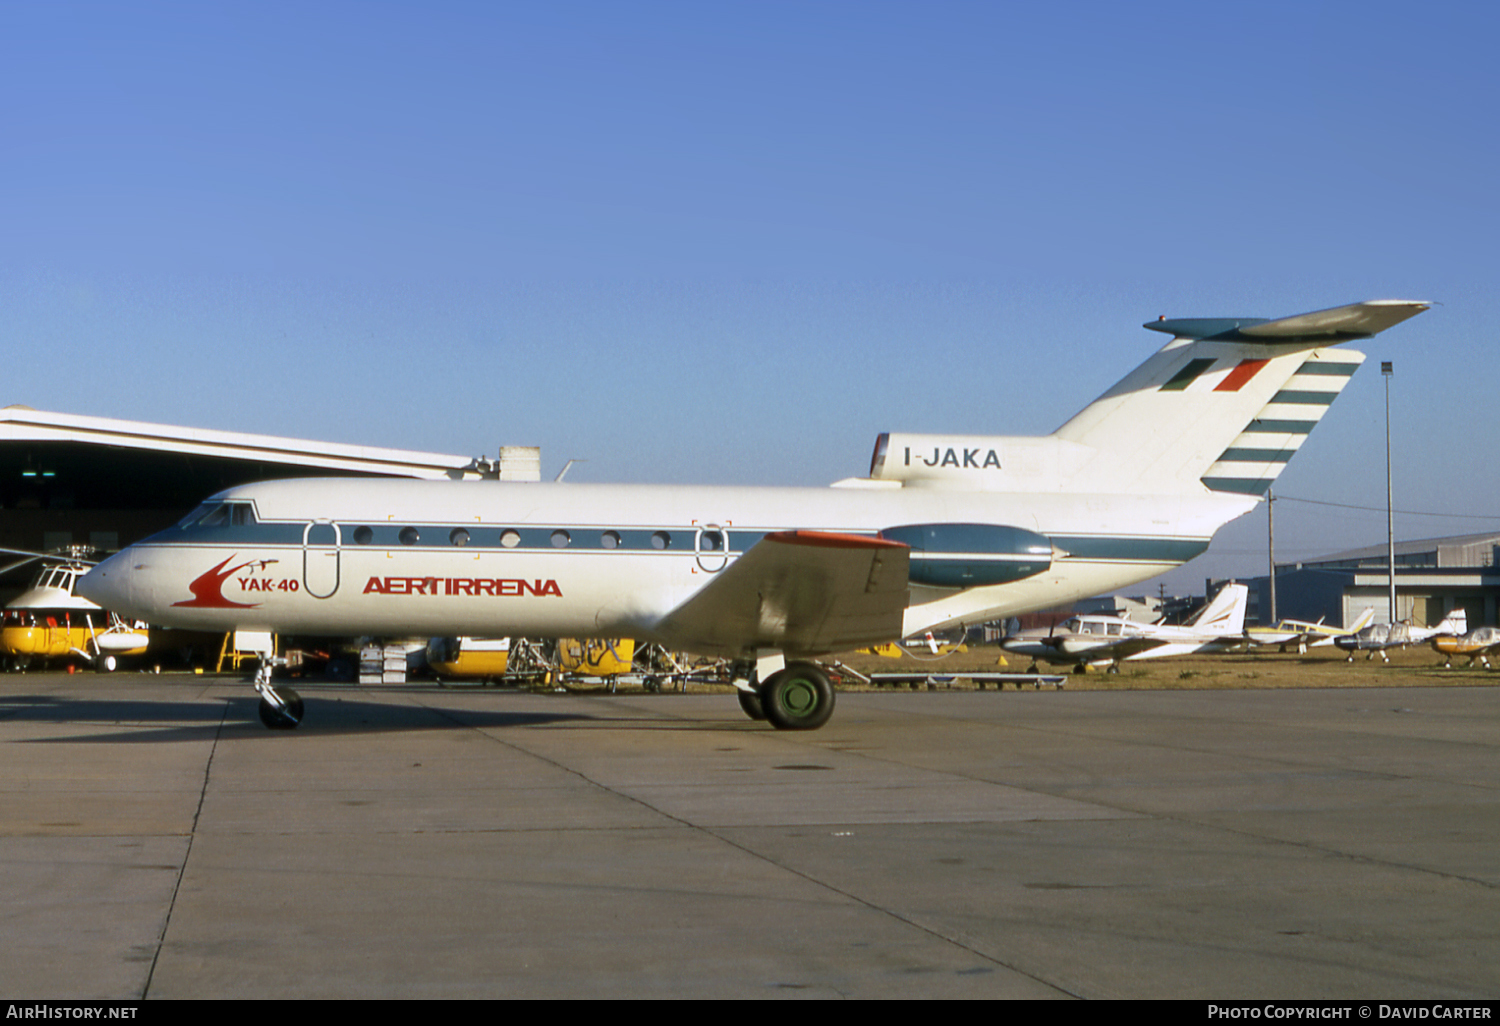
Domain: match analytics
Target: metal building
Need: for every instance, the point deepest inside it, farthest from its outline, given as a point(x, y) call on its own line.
point(1434, 576)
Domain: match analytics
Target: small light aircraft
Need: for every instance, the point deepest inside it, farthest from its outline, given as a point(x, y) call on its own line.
point(1381, 637)
point(944, 531)
point(49, 620)
point(1100, 639)
point(1304, 635)
point(1479, 643)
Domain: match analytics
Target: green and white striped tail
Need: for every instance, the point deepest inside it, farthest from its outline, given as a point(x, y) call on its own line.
point(1257, 457)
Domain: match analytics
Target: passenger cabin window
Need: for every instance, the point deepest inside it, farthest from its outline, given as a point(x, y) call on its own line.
point(363, 536)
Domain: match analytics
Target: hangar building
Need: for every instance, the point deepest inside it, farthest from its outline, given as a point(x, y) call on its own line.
point(73, 480)
point(1434, 576)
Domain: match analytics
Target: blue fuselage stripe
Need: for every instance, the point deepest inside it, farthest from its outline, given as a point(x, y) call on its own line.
point(1130, 550)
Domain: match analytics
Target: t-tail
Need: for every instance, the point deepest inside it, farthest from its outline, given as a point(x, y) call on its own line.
point(1220, 408)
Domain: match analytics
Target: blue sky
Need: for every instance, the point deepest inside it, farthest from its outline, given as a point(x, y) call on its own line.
point(731, 243)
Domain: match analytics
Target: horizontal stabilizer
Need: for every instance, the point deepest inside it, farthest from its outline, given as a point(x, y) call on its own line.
point(804, 592)
point(1339, 324)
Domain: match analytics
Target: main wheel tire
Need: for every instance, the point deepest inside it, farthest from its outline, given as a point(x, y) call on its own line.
point(751, 704)
point(799, 697)
point(278, 718)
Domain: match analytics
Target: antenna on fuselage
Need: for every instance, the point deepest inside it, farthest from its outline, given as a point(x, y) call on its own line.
point(566, 467)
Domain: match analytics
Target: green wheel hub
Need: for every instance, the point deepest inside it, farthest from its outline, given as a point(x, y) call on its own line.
point(799, 697)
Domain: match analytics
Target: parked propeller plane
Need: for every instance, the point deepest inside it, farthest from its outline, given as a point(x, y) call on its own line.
point(1305, 635)
point(945, 530)
point(1100, 639)
point(1480, 643)
point(1381, 637)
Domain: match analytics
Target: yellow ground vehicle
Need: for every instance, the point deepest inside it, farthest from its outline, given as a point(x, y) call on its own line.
point(492, 657)
point(469, 657)
point(596, 657)
point(48, 621)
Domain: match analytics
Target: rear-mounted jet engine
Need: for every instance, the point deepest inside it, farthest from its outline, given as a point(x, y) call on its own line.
point(971, 555)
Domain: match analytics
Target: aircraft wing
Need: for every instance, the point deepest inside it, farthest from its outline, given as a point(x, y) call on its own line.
point(1154, 648)
point(1138, 648)
point(800, 591)
point(1093, 648)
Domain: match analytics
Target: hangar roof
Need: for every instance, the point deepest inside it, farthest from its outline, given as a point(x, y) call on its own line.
point(1464, 550)
point(53, 463)
point(24, 424)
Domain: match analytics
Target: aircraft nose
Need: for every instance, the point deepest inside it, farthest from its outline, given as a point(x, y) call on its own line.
point(109, 583)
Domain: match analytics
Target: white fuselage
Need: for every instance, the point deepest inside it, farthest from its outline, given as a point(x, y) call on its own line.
point(352, 557)
point(982, 526)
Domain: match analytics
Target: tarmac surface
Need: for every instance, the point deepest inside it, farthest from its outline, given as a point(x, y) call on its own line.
point(157, 842)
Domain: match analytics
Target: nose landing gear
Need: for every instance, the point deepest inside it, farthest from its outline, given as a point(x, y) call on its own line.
point(280, 707)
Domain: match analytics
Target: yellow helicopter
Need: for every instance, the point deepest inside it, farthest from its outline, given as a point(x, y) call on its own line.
point(49, 621)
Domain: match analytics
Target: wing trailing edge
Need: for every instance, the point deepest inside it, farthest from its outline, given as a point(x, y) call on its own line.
point(804, 592)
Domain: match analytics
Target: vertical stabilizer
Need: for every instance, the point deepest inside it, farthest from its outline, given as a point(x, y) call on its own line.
point(1220, 408)
point(1225, 615)
point(1227, 402)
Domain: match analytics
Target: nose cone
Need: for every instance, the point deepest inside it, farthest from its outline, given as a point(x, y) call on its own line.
point(110, 583)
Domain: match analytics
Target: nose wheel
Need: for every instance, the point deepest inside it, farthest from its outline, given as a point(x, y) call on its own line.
point(280, 708)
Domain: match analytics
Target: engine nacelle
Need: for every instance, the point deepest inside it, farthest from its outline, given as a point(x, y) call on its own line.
point(971, 555)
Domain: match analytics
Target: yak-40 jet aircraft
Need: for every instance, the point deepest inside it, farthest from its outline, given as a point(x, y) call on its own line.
point(947, 530)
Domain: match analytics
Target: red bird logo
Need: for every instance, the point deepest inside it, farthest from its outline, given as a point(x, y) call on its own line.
point(208, 590)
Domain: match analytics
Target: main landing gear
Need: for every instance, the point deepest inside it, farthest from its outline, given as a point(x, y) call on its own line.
point(280, 707)
point(798, 697)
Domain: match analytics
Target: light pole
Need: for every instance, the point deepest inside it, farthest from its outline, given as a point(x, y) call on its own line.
point(1386, 370)
point(1271, 551)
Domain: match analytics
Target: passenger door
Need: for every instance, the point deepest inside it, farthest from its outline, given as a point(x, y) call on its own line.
point(320, 558)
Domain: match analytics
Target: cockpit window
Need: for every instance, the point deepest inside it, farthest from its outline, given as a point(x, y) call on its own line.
point(196, 515)
point(220, 514)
